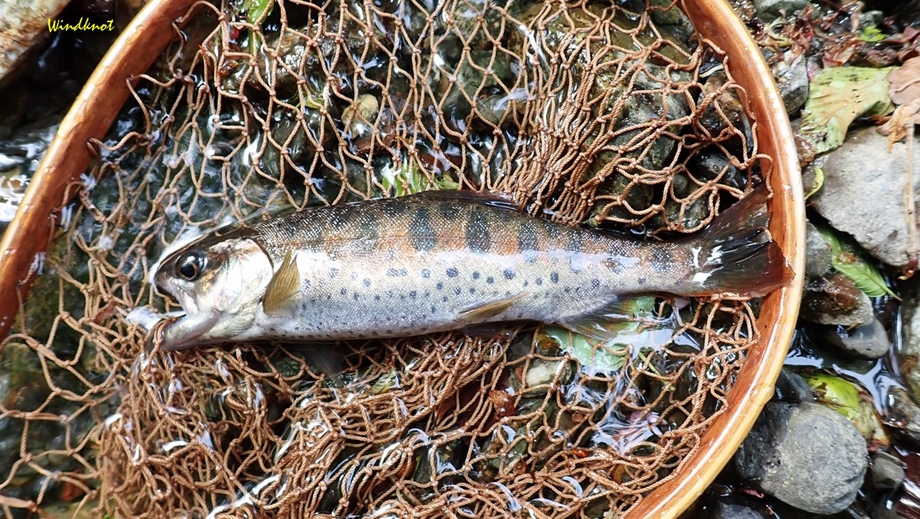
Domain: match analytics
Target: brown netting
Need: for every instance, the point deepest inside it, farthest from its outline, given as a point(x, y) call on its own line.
point(587, 113)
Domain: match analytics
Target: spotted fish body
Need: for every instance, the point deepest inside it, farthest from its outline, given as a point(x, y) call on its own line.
point(434, 262)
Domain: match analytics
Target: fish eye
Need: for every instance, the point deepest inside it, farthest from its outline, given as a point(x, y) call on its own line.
point(189, 266)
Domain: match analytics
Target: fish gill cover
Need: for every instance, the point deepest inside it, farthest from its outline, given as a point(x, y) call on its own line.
point(613, 115)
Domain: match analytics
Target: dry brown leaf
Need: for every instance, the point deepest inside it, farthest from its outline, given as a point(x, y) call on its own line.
point(898, 125)
point(905, 82)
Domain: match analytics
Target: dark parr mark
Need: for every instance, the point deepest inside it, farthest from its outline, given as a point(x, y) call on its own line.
point(452, 272)
point(508, 273)
point(641, 281)
point(538, 281)
point(490, 280)
point(421, 233)
point(527, 241)
point(426, 273)
point(367, 282)
point(476, 275)
point(595, 283)
point(477, 232)
point(449, 211)
point(440, 285)
point(554, 277)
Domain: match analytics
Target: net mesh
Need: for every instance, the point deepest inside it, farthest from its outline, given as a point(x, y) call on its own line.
point(617, 116)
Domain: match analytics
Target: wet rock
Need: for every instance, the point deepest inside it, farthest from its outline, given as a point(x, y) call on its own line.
point(734, 511)
point(792, 80)
point(910, 355)
point(862, 169)
point(835, 299)
point(817, 252)
point(776, 7)
point(792, 388)
point(886, 470)
point(904, 414)
point(869, 341)
point(805, 455)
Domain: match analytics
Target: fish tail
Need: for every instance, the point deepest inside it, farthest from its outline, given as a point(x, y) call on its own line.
point(736, 253)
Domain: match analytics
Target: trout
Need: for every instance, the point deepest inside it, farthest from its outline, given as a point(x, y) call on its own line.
point(439, 261)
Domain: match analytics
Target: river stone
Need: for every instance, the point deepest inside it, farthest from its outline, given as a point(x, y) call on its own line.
point(734, 511)
point(817, 252)
point(904, 414)
point(886, 470)
point(805, 455)
point(791, 388)
point(863, 170)
point(835, 299)
point(775, 7)
point(792, 81)
point(910, 355)
point(869, 341)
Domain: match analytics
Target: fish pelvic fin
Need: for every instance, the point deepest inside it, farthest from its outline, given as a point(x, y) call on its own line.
point(736, 253)
point(484, 312)
point(283, 287)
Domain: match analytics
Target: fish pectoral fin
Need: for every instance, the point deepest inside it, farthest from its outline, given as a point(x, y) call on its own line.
point(283, 287)
point(486, 311)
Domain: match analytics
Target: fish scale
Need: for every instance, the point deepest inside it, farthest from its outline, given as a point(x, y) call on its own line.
point(441, 261)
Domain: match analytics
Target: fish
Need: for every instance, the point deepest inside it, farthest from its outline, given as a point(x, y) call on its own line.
point(438, 261)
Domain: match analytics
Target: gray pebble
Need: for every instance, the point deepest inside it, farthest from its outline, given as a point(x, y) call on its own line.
point(805, 455)
point(792, 81)
point(904, 414)
point(869, 341)
point(817, 252)
point(886, 470)
point(792, 388)
point(835, 299)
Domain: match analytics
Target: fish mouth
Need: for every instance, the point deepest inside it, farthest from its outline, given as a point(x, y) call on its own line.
point(187, 331)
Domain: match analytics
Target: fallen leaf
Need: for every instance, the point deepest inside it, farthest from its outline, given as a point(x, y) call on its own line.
point(901, 123)
point(837, 97)
point(905, 82)
point(846, 261)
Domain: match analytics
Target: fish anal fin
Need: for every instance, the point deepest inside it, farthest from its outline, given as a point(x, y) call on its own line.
point(283, 287)
point(614, 317)
point(486, 311)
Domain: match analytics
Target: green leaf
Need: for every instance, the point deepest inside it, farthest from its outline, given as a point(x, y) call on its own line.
point(836, 98)
point(254, 11)
point(407, 178)
point(871, 35)
point(847, 399)
point(819, 181)
point(850, 263)
point(591, 354)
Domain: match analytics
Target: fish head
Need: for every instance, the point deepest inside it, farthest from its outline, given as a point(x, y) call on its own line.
point(218, 285)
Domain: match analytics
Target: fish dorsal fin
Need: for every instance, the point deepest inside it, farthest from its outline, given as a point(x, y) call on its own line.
point(486, 311)
point(497, 200)
point(283, 286)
